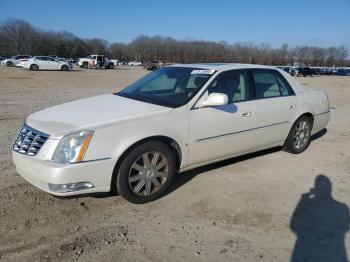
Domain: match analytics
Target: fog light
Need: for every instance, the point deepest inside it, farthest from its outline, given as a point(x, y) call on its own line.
point(71, 187)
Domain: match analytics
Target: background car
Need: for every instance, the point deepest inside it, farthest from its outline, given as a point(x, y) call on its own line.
point(3, 57)
point(154, 65)
point(135, 63)
point(47, 63)
point(343, 72)
point(13, 61)
point(95, 61)
point(304, 71)
point(293, 71)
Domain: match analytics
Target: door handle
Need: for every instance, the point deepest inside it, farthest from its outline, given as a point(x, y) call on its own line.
point(292, 106)
point(246, 114)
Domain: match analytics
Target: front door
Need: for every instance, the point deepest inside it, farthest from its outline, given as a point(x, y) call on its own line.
point(52, 64)
point(223, 131)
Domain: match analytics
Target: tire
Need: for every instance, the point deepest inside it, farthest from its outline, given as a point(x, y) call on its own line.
point(9, 64)
point(160, 168)
point(64, 68)
point(154, 68)
point(85, 65)
point(300, 131)
point(111, 66)
point(34, 67)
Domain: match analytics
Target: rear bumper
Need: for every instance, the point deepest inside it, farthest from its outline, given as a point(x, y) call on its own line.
point(41, 173)
point(321, 121)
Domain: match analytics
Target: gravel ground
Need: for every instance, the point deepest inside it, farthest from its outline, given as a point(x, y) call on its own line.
point(236, 210)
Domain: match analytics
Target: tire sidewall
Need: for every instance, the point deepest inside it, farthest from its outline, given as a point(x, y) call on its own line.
point(34, 67)
point(289, 145)
point(122, 179)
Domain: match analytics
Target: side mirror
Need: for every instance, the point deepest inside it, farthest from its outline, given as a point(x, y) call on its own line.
point(215, 99)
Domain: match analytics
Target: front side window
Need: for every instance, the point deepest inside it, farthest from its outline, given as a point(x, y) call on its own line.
point(168, 86)
point(232, 83)
point(269, 84)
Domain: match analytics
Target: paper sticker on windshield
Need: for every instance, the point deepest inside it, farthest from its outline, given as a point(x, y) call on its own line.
point(203, 71)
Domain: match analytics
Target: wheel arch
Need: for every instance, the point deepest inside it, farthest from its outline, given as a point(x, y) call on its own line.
point(171, 143)
point(309, 115)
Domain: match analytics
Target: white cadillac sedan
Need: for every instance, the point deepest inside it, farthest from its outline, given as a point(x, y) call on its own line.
point(173, 119)
point(47, 63)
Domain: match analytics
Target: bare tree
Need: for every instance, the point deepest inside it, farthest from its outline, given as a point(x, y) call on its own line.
point(19, 37)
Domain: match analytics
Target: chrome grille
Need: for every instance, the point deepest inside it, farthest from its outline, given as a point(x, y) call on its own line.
point(29, 141)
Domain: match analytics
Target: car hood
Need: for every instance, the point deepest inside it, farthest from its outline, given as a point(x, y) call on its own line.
point(90, 114)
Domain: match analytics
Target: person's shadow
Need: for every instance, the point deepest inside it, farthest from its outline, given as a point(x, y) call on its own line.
point(320, 223)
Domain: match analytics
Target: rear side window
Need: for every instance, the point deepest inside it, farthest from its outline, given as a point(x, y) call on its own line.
point(269, 83)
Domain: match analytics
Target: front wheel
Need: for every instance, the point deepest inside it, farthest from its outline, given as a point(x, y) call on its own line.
point(9, 64)
point(146, 172)
point(299, 137)
point(65, 68)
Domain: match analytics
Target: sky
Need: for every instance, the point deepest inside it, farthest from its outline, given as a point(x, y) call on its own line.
point(320, 23)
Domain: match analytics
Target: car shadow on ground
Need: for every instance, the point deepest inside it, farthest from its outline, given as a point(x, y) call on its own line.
point(320, 224)
point(185, 177)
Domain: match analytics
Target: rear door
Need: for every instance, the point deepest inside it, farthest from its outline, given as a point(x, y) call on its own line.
point(41, 62)
point(276, 106)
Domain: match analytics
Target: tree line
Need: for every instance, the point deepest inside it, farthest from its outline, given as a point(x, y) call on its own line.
point(20, 37)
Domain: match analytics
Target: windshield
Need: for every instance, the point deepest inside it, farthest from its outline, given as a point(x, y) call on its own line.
point(168, 86)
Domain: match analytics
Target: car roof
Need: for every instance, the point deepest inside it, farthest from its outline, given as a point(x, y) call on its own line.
point(222, 66)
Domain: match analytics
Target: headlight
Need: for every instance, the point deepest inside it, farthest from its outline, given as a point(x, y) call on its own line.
point(72, 148)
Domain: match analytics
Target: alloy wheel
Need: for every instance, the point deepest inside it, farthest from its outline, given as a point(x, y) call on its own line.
point(301, 135)
point(148, 173)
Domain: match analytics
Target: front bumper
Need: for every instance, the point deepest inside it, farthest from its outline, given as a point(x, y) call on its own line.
point(41, 173)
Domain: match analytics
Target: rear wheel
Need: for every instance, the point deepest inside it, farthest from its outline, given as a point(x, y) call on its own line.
point(34, 67)
point(146, 172)
point(299, 137)
point(64, 68)
point(111, 66)
point(85, 65)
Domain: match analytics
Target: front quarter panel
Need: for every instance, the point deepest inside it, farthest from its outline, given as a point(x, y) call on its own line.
point(113, 141)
